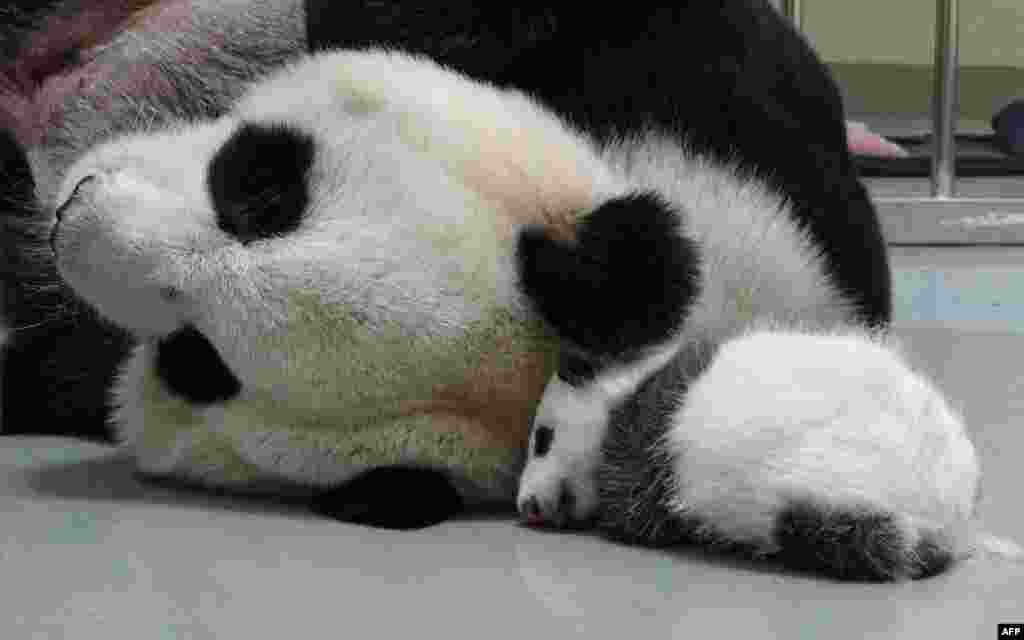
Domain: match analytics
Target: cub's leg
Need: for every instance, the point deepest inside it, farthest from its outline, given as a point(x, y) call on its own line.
point(825, 451)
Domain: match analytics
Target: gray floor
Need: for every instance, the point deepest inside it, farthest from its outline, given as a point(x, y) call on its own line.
point(90, 553)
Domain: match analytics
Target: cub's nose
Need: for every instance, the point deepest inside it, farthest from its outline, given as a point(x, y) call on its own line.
point(74, 194)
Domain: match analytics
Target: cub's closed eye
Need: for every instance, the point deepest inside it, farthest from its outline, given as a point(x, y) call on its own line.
point(576, 371)
point(542, 439)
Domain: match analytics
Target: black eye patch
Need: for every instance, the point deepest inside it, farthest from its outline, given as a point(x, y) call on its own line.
point(542, 439)
point(257, 181)
point(190, 367)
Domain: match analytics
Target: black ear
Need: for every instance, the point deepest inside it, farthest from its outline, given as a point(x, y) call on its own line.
point(392, 498)
point(257, 181)
point(626, 283)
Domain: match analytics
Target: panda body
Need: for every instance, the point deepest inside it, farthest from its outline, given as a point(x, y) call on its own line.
point(820, 448)
point(734, 79)
point(402, 256)
point(379, 262)
point(762, 412)
point(78, 73)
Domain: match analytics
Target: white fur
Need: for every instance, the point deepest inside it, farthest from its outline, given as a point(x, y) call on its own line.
point(410, 157)
point(420, 180)
point(755, 264)
point(579, 417)
point(799, 404)
point(838, 418)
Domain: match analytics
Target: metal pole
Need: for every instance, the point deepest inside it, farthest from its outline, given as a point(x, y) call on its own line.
point(944, 107)
point(794, 10)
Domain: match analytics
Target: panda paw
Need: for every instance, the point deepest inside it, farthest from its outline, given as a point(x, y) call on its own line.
point(392, 498)
point(558, 492)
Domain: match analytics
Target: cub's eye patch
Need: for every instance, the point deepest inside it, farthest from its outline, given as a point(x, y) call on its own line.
point(542, 439)
point(576, 371)
point(257, 181)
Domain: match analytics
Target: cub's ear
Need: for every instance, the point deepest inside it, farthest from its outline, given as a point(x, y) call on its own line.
point(257, 181)
point(626, 282)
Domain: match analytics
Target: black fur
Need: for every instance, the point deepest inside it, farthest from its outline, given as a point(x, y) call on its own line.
point(258, 181)
point(576, 370)
point(853, 544)
point(623, 285)
point(634, 480)
point(392, 498)
point(58, 376)
point(190, 367)
point(635, 486)
point(733, 78)
point(931, 557)
point(60, 357)
point(479, 39)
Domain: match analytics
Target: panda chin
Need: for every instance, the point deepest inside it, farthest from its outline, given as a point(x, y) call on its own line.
point(189, 366)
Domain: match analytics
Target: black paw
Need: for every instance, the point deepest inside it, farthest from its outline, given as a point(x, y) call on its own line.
point(392, 498)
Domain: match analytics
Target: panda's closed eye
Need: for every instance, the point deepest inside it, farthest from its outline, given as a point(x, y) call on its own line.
point(257, 181)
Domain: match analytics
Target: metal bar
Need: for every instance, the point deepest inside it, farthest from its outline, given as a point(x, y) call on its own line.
point(793, 9)
point(944, 108)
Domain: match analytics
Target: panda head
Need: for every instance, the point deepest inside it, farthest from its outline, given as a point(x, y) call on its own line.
point(338, 250)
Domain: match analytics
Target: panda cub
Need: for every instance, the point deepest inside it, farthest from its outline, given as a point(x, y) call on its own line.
point(716, 387)
point(367, 261)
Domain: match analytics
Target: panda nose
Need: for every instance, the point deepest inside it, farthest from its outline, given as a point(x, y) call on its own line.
point(74, 193)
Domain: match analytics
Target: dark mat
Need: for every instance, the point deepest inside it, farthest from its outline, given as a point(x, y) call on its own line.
point(999, 151)
point(976, 156)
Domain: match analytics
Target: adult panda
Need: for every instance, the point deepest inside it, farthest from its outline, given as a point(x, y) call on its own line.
point(348, 284)
point(732, 77)
point(761, 93)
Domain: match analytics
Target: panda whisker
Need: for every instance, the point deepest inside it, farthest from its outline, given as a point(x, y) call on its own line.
point(34, 325)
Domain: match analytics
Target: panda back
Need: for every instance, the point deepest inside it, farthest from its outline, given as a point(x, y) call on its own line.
point(756, 261)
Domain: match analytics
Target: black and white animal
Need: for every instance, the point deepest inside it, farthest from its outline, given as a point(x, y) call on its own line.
point(357, 268)
point(76, 73)
point(337, 285)
point(255, 250)
point(715, 385)
point(84, 72)
point(732, 79)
